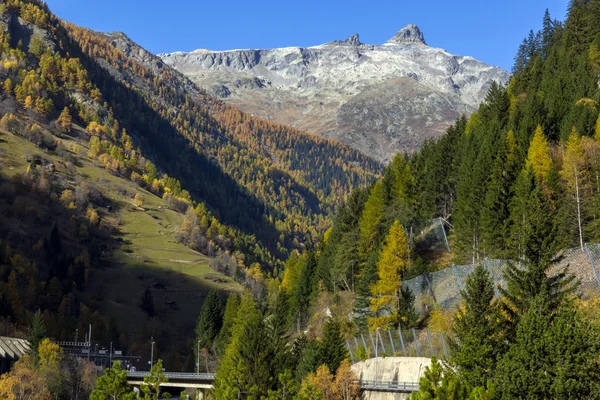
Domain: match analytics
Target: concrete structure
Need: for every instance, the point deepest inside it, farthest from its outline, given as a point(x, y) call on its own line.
point(396, 372)
point(176, 379)
point(11, 349)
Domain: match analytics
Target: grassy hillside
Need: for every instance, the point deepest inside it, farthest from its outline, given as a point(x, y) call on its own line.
point(139, 247)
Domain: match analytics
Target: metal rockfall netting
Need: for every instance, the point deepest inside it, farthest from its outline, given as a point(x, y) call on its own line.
point(398, 343)
point(443, 287)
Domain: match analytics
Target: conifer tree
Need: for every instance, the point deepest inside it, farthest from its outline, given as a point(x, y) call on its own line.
point(475, 328)
point(209, 321)
point(538, 157)
point(393, 263)
point(113, 385)
point(496, 212)
point(64, 120)
point(147, 303)
point(553, 355)
point(573, 173)
point(370, 219)
point(249, 367)
point(332, 350)
point(37, 333)
point(229, 318)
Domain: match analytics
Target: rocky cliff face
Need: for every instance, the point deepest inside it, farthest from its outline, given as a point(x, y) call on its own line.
point(379, 99)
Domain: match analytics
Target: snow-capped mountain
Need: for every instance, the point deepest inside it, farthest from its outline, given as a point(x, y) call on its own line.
point(379, 99)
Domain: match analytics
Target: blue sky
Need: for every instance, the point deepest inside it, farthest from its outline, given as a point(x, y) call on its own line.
point(489, 31)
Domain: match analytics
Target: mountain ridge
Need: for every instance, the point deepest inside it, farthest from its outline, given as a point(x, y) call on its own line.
point(377, 98)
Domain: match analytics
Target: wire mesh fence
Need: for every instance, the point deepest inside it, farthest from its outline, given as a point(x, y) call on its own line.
point(398, 343)
point(443, 288)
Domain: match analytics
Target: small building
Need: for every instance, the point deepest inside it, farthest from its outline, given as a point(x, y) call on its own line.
point(11, 349)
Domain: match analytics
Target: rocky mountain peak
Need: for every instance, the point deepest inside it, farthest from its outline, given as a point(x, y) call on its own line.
point(353, 40)
point(409, 34)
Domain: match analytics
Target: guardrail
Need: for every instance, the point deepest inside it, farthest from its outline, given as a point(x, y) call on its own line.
point(380, 386)
point(184, 376)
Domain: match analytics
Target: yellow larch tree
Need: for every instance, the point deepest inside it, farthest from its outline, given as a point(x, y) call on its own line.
point(393, 263)
point(538, 156)
point(573, 173)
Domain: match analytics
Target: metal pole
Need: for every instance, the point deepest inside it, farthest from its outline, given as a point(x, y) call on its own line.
point(76, 334)
point(90, 343)
point(198, 365)
point(430, 346)
point(402, 342)
point(364, 344)
point(376, 356)
point(416, 342)
point(392, 343)
point(110, 356)
point(349, 350)
point(152, 353)
point(444, 345)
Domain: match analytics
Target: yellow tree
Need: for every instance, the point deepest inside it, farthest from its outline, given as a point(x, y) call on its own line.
point(393, 262)
point(318, 385)
point(573, 173)
point(346, 382)
point(538, 156)
point(597, 133)
point(23, 383)
point(64, 120)
point(50, 357)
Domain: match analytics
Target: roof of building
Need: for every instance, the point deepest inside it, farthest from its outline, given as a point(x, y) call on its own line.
point(13, 348)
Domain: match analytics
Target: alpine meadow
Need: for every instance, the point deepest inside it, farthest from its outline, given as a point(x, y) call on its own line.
point(341, 221)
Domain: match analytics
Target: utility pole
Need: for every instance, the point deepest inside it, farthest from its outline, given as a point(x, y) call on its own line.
point(90, 343)
point(152, 353)
point(110, 356)
point(76, 334)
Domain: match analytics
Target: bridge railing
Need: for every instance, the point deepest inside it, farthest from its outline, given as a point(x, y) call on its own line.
point(398, 343)
point(403, 387)
point(186, 376)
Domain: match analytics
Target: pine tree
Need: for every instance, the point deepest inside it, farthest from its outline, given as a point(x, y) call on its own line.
point(209, 321)
point(332, 350)
point(248, 368)
point(153, 381)
point(113, 385)
point(37, 333)
point(147, 303)
point(524, 284)
point(553, 355)
point(229, 317)
point(475, 329)
point(392, 265)
point(496, 213)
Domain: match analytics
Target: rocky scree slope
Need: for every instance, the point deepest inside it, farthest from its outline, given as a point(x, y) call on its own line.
point(379, 99)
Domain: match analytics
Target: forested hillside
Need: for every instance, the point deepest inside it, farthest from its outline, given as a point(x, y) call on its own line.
point(517, 180)
point(111, 167)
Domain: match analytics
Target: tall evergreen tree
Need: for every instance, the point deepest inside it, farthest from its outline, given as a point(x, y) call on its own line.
point(475, 328)
point(209, 322)
point(553, 355)
point(332, 350)
point(37, 333)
